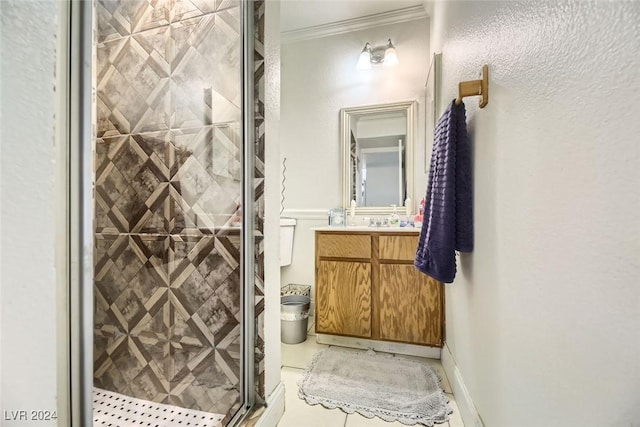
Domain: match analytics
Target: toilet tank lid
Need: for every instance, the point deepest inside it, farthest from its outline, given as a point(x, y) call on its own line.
point(287, 221)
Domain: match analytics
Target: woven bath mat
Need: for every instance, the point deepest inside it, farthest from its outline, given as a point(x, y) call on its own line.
point(375, 385)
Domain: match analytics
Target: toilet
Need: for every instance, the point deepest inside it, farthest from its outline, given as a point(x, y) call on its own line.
point(287, 225)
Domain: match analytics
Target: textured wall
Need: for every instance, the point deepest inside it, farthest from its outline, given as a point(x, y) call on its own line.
point(168, 180)
point(27, 199)
point(319, 77)
point(544, 317)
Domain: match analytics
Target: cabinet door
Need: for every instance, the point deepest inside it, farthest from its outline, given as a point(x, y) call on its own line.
point(410, 305)
point(343, 298)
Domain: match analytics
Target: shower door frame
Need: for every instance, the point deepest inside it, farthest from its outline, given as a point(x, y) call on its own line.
point(75, 65)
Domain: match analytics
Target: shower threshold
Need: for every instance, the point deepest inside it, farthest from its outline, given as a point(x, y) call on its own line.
point(118, 410)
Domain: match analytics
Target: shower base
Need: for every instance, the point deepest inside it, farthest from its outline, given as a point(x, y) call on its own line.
point(117, 410)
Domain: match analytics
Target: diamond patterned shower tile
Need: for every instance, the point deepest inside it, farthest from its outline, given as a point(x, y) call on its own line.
point(206, 382)
point(199, 199)
point(136, 364)
point(133, 83)
point(187, 328)
point(205, 297)
point(201, 398)
point(217, 148)
point(217, 318)
point(131, 284)
point(185, 9)
point(190, 287)
point(103, 341)
point(157, 366)
point(229, 293)
point(210, 366)
point(184, 356)
point(107, 374)
point(206, 84)
point(206, 360)
point(118, 18)
point(132, 183)
point(205, 177)
point(155, 320)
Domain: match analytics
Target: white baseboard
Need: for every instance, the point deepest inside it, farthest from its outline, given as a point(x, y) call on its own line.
point(275, 408)
point(468, 411)
point(384, 346)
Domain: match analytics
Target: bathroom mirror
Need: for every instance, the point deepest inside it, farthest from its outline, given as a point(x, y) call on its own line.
point(377, 156)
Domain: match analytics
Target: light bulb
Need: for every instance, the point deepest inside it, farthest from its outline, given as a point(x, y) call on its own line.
point(364, 61)
point(390, 55)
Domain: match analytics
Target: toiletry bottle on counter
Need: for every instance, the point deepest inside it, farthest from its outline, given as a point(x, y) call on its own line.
point(394, 219)
point(407, 208)
point(408, 219)
point(352, 213)
point(418, 218)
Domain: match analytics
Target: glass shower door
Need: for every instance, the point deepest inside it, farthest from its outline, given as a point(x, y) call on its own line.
point(172, 245)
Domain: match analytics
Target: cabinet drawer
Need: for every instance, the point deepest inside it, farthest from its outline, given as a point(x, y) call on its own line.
point(399, 248)
point(343, 245)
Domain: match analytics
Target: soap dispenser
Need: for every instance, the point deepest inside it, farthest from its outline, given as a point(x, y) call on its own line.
point(394, 219)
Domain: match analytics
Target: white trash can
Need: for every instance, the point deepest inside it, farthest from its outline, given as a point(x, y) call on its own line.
point(294, 318)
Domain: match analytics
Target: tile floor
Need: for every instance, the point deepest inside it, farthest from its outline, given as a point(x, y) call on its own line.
point(114, 409)
point(296, 357)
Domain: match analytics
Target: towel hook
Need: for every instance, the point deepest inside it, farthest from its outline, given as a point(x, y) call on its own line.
point(475, 88)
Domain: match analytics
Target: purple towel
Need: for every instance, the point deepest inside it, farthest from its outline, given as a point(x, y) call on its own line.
point(447, 225)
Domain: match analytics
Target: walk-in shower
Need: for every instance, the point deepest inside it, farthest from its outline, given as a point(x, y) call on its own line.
point(178, 159)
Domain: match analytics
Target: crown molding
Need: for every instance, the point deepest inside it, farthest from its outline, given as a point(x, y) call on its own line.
point(393, 17)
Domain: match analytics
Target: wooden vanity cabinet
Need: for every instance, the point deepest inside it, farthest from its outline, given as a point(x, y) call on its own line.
point(367, 287)
point(343, 284)
point(344, 298)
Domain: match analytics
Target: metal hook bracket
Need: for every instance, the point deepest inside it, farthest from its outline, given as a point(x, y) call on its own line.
point(475, 88)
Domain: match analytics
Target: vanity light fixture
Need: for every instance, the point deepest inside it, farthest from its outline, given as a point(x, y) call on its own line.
point(384, 54)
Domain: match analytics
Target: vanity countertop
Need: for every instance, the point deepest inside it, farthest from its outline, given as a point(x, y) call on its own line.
point(367, 229)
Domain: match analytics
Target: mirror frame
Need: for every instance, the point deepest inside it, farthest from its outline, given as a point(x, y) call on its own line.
point(411, 108)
